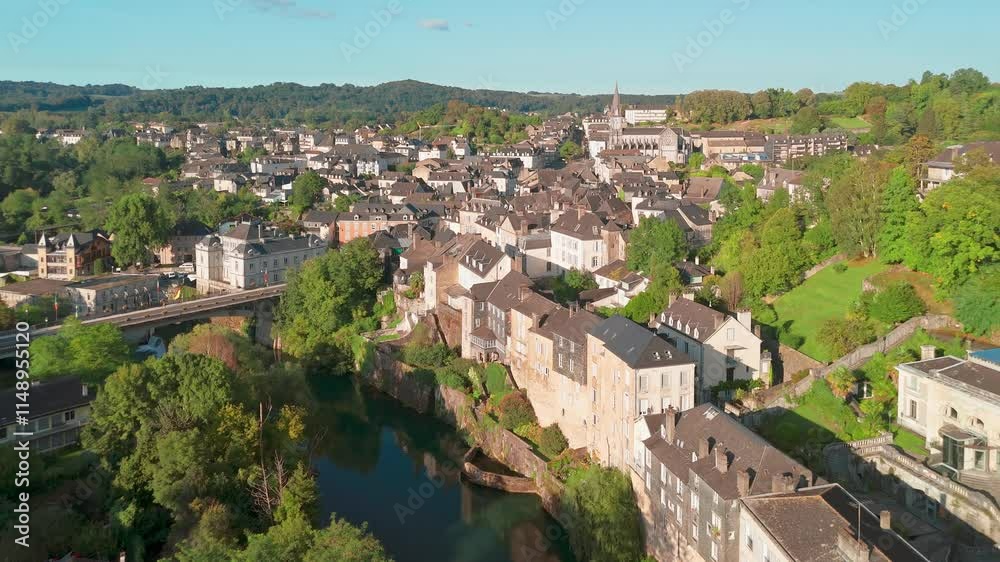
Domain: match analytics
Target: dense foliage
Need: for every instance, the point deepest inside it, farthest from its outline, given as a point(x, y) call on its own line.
point(600, 508)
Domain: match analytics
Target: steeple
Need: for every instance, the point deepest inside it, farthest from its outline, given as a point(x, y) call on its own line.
point(616, 102)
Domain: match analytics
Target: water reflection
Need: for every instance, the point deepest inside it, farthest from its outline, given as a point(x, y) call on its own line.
point(383, 464)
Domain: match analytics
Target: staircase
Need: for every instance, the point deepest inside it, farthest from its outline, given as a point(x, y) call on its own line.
point(985, 482)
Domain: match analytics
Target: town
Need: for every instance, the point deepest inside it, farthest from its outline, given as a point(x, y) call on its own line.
point(713, 326)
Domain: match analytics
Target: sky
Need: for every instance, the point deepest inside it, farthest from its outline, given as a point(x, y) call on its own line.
point(583, 46)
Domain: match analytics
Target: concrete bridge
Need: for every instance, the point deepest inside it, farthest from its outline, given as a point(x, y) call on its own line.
point(139, 324)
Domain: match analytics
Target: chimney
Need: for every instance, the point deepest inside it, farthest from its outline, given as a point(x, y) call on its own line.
point(523, 292)
point(574, 307)
point(927, 352)
point(579, 213)
point(84, 391)
point(777, 482)
point(703, 448)
point(852, 549)
point(744, 317)
point(721, 458)
point(743, 483)
point(885, 519)
point(670, 425)
point(697, 260)
point(688, 295)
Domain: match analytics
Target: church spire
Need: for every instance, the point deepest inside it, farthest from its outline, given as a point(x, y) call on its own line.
point(616, 102)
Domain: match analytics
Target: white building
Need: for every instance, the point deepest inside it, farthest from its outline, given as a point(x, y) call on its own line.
point(250, 256)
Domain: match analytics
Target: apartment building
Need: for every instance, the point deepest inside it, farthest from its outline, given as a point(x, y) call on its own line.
point(631, 371)
point(690, 470)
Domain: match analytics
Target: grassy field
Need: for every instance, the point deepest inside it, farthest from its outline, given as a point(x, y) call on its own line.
point(776, 125)
point(828, 294)
point(849, 123)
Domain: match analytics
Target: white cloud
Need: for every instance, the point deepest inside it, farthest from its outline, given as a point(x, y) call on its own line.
point(435, 24)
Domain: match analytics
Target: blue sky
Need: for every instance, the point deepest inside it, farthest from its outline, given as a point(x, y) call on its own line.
point(649, 46)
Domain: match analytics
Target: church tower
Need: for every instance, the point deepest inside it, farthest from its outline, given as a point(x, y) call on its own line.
point(616, 121)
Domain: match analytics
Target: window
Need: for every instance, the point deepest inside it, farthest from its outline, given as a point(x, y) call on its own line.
point(643, 406)
point(749, 541)
point(731, 334)
point(593, 261)
point(665, 380)
point(913, 409)
point(3, 432)
point(643, 383)
point(694, 501)
point(715, 551)
point(980, 461)
point(41, 424)
point(694, 531)
point(952, 413)
point(663, 473)
point(663, 497)
point(911, 382)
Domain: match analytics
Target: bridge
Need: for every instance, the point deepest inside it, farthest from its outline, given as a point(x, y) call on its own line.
point(146, 319)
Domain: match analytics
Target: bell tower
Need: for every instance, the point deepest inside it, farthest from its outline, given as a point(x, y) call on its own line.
point(616, 121)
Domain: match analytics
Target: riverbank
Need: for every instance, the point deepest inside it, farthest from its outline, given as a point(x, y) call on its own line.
point(396, 379)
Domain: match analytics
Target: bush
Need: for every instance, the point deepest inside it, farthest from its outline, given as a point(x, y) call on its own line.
point(552, 441)
point(840, 267)
point(841, 382)
point(515, 410)
point(432, 356)
point(842, 335)
point(451, 379)
point(896, 303)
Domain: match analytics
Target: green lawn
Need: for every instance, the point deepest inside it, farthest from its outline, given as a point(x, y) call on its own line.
point(910, 442)
point(828, 294)
point(496, 382)
point(849, 123)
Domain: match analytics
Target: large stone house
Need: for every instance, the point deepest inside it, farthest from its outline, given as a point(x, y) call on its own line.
point(74, 254)
point(691, 469)
point(725, 348)
point(251, 255)
point(955, 405)
point(631, 371)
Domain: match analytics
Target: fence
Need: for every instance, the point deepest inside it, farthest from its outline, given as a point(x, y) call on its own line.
point(776, 396)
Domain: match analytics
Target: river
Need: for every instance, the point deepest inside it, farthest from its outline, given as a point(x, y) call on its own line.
point(396, 470)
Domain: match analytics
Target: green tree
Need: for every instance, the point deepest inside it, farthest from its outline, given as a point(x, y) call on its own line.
point(807, 120)
point(956, 231)
point(600, 509)
point(977, 302)
point(655, 240)
point(570, 150)
point(91, 352)
point(854, 202)
point(324, 294)
point(896, 303)
point(307, 189)
point(899, 199)
point(139, 224)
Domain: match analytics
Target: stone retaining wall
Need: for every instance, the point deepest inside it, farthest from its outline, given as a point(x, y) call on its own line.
point(510, 484)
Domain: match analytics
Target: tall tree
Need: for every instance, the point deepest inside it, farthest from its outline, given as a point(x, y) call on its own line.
point(139, 224)
point(307, 189)
point(977, 302)
point(855, 204)
point(655, 240)
point(898, 200)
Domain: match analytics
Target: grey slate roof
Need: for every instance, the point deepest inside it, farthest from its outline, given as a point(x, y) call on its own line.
point(638, 347)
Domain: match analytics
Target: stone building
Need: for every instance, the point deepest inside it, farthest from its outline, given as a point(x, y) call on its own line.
point(250, 256)
point(725, 348)
point(955, 405)
point(631, 371)
point(74, 254)
point(691, 469)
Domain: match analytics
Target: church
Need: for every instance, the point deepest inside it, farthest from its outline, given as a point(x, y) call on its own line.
point(670, 143)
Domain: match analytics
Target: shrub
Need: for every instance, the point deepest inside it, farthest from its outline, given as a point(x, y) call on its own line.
point(432, 356)
point(529, 431)
point(839, 267)
point(515, 410)
point(799, 375)
point(842, 335)
point(896, 303)
point(841, 381)
point(552, 441)
point(451, 379)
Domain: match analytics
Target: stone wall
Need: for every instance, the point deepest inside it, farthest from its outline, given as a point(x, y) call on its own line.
point(823, 265)
point(449, 323)
point(506, 483)
point(396, 379)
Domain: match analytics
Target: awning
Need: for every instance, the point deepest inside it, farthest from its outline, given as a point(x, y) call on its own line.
point(957, 433)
